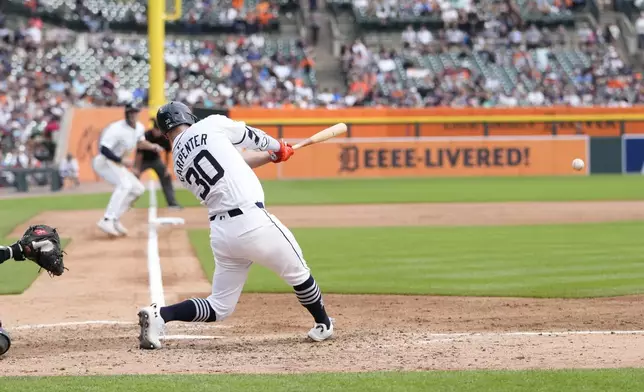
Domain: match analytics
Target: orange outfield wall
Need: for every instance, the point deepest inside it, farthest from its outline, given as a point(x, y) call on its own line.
point(518, 126)
point(544, 156)
point(438, 157)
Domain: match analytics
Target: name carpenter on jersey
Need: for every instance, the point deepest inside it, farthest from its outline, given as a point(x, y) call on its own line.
point(184, 152)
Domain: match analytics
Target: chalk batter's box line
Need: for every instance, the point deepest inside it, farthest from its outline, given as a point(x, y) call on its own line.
point(102, 322)
point(450, 337)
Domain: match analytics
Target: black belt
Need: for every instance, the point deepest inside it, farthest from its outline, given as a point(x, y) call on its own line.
point(235, 211)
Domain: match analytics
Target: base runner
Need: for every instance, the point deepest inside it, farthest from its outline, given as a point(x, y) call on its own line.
point(117, 141)
point(207, 162)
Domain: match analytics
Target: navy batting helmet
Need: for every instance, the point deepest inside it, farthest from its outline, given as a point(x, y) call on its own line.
point(173, 114)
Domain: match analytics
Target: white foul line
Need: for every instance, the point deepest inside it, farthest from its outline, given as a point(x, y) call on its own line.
point(444, 337)
point(534, 333)
point(154, 260)
point(72, 324)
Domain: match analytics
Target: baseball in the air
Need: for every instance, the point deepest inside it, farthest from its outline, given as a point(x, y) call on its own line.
point(577, 164)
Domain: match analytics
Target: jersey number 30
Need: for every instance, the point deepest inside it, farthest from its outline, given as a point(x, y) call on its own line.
point(197, 175)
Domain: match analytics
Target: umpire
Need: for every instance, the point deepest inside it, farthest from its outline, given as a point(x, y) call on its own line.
point(146, 159)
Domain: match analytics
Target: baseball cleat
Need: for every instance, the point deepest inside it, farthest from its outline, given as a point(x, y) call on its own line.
point(151, 327)
point(120, 228)
point(107, 226)
point(320, 332)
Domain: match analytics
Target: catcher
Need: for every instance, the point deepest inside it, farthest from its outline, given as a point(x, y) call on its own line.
point(40, 244)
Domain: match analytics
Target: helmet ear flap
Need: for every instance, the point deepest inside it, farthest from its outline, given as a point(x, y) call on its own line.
point(173, 114)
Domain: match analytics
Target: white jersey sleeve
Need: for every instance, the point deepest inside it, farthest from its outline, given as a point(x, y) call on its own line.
point(110, 136)
point(121, 138)
point(140, 132)
point(242, 135)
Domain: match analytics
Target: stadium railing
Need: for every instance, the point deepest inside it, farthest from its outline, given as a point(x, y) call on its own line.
point(49, 176)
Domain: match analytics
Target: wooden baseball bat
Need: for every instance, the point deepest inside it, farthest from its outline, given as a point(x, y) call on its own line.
point(323, 135)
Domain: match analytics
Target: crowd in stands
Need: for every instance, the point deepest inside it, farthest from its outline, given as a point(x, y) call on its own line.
point(246, 71)
point(32, 99)
point(461, 12)
point(486, 54)
point(506, 63)
point(45, 70)
point(236, 70)
point(240, 16)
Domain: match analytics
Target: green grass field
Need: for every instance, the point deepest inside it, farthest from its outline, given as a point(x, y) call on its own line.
point(573, 260)
point(621, 380)
point(472, 189)
point(399, 190)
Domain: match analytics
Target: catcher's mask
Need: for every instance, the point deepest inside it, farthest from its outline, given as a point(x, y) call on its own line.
point(173, 114)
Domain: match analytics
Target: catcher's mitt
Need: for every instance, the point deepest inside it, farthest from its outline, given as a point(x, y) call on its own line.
point(41, 244)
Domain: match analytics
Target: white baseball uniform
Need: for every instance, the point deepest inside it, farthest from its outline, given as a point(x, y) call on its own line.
point(121, 139)
point(207, 162)
point(69, 169)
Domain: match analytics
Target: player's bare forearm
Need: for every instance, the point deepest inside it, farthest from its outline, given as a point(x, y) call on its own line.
point(256, 158)
point(146, 145)
point(138, 162)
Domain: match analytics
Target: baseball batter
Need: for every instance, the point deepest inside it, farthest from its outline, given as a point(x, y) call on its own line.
point(117, 141)
point(207, 162)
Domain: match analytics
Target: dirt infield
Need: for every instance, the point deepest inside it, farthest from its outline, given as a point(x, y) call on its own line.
point(83, 323)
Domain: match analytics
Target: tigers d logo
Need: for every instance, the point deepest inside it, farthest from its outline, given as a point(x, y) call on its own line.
point(349, 159)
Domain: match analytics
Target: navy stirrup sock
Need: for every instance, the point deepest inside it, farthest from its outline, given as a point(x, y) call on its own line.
point(192, 310)
point(309, 295)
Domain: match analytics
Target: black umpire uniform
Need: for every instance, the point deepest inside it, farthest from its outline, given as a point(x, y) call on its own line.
point(152, 160)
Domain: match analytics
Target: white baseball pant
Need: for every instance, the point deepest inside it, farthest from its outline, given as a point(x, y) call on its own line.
point(127, 189)
point(256, 236)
